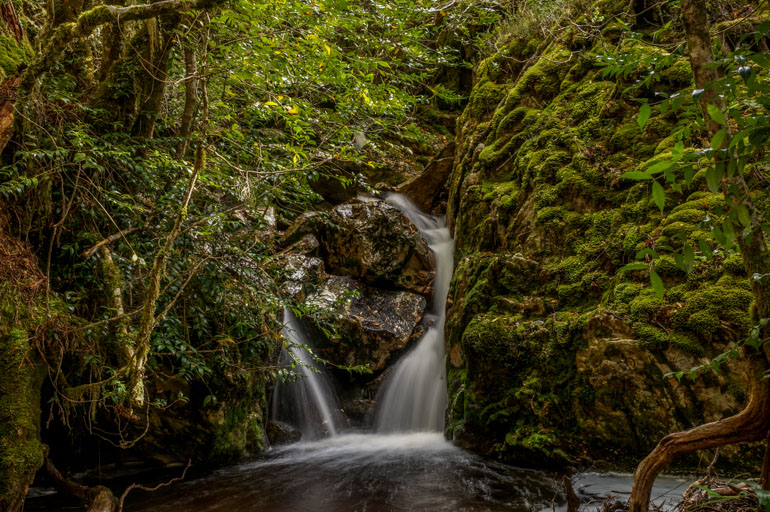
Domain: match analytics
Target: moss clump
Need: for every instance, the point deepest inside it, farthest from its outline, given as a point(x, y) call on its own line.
point(645, 305)
point(21, 452)
point(12, 54)
point(651, 338)
point(719, 310)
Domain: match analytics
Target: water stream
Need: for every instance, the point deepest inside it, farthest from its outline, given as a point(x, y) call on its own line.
point(414, 397)
point(309, 404)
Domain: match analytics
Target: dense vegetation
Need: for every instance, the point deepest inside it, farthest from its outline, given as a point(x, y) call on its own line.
point(608, 200)
point(150, 152)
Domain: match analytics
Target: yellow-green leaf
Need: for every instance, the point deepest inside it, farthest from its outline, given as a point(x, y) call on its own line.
point(644, 115)
point(658, 195)
point(716, 114)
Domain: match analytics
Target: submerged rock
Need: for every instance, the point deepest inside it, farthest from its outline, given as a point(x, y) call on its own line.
point(363, 325)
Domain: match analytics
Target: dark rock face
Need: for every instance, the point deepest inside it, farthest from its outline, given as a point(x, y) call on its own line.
point(425, 188)
point(374, 242)
point(366, 325)
point(280, 433)
point(371, 241)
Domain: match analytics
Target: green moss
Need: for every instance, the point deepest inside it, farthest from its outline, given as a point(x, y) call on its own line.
point(733, 265)
point(651, 338)
point(706, 310)
point(242, 429)
point(645, 305)
point(21, 377)
point(665, 266)
point(12, 54)
point(564, 144)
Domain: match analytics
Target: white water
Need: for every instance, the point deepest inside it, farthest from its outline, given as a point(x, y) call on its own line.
point(414, 397)
point(309, 404)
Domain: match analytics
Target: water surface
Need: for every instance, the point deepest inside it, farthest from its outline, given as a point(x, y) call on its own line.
point(361, 472)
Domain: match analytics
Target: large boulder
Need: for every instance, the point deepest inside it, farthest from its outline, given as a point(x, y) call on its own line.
point(369, 240)
point(358, 324)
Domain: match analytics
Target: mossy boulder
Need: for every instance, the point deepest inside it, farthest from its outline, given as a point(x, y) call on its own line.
point(371, 241)
point(553, 352)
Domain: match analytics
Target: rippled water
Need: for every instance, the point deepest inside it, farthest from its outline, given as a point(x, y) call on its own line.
point(360, 472)
point(372, 473)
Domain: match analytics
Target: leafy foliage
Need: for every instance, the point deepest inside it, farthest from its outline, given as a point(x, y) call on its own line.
point(737, 148)
point(181, 153)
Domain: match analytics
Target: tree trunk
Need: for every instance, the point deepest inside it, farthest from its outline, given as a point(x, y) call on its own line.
point(751, 424)
point(112, 48)
point(161, 41)
point(21, 378)
point(190, 99)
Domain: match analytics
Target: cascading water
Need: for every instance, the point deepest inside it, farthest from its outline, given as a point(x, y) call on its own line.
point(414, 397)
point(309, 403)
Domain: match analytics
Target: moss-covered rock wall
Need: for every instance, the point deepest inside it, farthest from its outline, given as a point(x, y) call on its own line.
point(554, 355)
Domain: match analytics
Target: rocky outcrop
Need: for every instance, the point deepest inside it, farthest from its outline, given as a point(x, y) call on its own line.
point(371, 241)
point(425, 188)
point(364, 274)
point(280, 433)
point(362, 325)
point(555, 355)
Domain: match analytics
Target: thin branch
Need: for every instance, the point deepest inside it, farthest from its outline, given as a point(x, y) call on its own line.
point(151, 489)
point(90, 252)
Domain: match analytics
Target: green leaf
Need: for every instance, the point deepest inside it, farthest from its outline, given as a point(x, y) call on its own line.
point(713, 179)
point(644, 115)
point(635, 175)
point(634, 266)
point(718, 139)
point(716, 114)
point(705, 248)
point(689, 258)
point(646, 252)
point(743, 215)
point(728, 230)
point(764, 499)
point(659, 167)
point(689, 173)
point(659, 195)
point(657, 284)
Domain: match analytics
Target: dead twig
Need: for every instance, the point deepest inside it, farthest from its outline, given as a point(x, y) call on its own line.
point(151, 489)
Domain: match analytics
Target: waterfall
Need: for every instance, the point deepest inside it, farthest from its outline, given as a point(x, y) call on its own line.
point(414, 397)
point(309, 403)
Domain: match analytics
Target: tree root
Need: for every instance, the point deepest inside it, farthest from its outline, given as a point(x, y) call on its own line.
point(100, 498)
point(751, 424)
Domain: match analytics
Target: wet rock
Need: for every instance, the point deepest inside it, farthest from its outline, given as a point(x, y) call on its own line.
point(308, 245)
point(425, 188)
point(363, 325)
point(373, 241)
point(309, 223)
point(280, 433)
point(302, 275)
point(370, 240)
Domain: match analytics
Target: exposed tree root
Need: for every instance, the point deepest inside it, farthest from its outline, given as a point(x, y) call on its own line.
point(751, 424)
point(100, 498)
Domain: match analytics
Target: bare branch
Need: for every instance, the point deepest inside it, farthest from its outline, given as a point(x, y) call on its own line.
point(151, 489)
